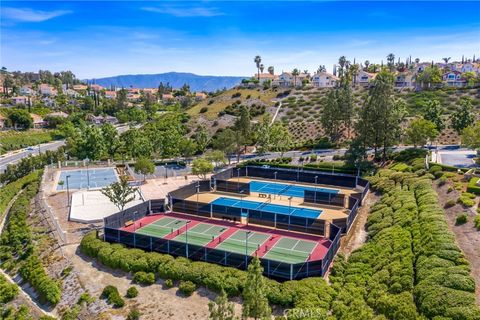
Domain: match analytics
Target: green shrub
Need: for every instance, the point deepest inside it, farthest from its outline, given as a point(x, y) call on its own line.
point(450, 203)
point(467, 199)
point(187, 287)
point(72, 313)
point(85, 297)
point(438, 174)
point(110, 293)
point(8, 291)
point(434, 169)
point(145, 278)
point(169, 283)
point(472, 186)
point(132, 292)
point(450, 189)
point(476, 221)
point(134, 314)
point(461, 219)
point(442, 181)
point(203, 109)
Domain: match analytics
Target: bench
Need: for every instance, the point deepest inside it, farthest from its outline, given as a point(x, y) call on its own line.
point(128, 223)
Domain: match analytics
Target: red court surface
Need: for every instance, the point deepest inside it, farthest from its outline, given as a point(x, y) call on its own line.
point(318, 253)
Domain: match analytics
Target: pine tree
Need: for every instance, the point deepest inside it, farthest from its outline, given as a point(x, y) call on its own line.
point(255, 302)
point(221, 309)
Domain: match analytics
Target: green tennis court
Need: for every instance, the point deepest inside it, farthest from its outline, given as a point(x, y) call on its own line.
point(237, 242)
point(162, 227)
point(200, 234)
point(290, 250)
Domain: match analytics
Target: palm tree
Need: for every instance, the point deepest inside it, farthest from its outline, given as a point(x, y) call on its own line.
point(262, 67)
point(271, 70)
point(257, 61)
point(446, 59)
point(417, 60)
point(295, 73)
point(354, 72)
point(391, 61)
point(367, 63)
point(321, 68)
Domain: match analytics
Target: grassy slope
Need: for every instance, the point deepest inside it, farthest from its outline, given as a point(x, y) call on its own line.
point(225, 99)
point(13, 140)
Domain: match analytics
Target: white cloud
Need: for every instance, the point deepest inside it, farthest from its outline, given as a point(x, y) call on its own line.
point(183, 12)
point(30, 15)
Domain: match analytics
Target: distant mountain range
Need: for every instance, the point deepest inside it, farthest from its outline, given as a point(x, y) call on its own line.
point(176, 80)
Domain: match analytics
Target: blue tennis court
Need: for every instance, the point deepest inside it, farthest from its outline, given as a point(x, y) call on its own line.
point(268, 207)
point(81, 179)
point(285, 189)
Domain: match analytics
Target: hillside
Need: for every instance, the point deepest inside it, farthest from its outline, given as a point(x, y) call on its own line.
point(301, 109)
point(176, 80)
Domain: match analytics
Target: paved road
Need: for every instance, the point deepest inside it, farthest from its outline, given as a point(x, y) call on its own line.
point(12, 158)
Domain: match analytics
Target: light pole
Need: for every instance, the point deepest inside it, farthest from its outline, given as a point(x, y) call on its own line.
point(198, 191)
point(88, 174)
point(315, 197)
point(68, 197)
point(275, 174)
point(289, 211)
point(247, 234)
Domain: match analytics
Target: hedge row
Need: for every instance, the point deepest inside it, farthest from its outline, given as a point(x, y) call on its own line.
point(8, 291)
point(310, 292)
point(473, 187)
point(10, 190)
point(321, 166)
point(410, 266)
point(18, 248)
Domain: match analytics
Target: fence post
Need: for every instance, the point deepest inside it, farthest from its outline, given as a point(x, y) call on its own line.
point(291, 271)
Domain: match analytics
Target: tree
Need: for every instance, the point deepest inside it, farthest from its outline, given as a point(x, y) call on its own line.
point(280, 138)
point(226, 142)
point(255, 302)
point(295, 74)
point(243, 128)
point(20, 119)
point(201, 167)
point(221, 309)
point(331, 118)
point(420, 131)
point(258, 61)
point(471, 136)
point(187, 147)
point(111, 139)
point(463, 117)
point(430, 76)
point(144, 166)
point(217, 157)
point(446, 59)
point(89, 145)
point(391, 62)
point(433, 113)
point(120, 193)
point(202, 139)
point(271, 70)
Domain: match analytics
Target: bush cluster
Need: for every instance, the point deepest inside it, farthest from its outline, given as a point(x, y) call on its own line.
point(14, 140)
point(187, 287)
point(467, 199)
point(472, 186)
point(461, 219)
point(132, 292)
point(18, 249)
point(313, 292)
point(110, 293)
point(8, 291)
point(441, 286)
point(476, 221)
point(145, 278)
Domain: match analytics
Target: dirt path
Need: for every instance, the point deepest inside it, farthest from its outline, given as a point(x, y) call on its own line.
point(154, 302)
point(357, 234)
point(467, 237)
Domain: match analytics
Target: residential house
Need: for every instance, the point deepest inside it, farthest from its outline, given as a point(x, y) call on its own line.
point(21, 100)
point(26, 91)
point(98, 120)
point(324, 80)
point(110, 94)
point(405, 79)
point(264, 77)
point(299, 80)
point(200, 96)
point(421, 66)
point(167, 96)
point(38, 121)
point(49, 102)
point(454, 79)
point(60, 114)
point(110, 119)
point(47, 90)
point(96, 87)
point(80, 87)
point(363, 78)
point(71, 93)
point(470, 67)
point(285, 79)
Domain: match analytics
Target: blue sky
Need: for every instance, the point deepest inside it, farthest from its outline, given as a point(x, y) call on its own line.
point(95, 39)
